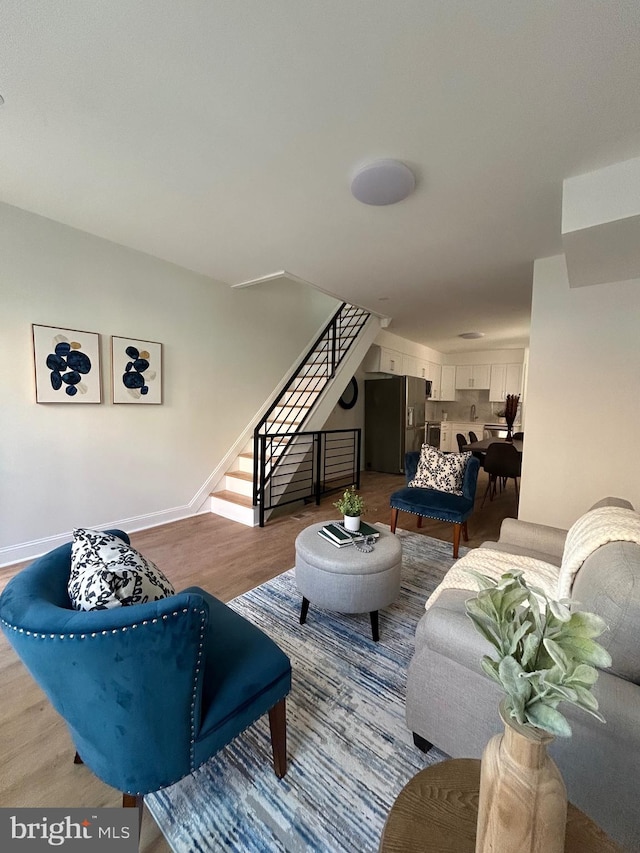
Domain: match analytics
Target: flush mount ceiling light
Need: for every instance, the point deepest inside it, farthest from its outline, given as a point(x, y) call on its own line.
point(383, 182)
point(470, 335)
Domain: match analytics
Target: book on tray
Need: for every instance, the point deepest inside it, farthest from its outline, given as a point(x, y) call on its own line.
point(336, 534)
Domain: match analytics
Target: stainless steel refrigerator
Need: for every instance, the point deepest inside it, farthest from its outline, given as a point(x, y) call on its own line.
point(393, 422)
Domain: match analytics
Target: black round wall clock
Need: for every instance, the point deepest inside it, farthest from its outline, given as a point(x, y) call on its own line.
point(349, 395)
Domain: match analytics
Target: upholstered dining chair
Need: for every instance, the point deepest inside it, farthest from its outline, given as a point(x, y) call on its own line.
point(149, 691)
point(502, 462)
point(433, 503)
point(472, 437)
point(461, 439)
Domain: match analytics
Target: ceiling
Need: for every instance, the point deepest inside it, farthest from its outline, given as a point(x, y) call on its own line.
point(223, 135)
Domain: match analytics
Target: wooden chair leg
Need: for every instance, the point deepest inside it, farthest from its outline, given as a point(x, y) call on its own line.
point(419, 521)
point(278, 726)
point(486, 492)
point(456, 539)
point(134, 801)
point(465, 533)
point(394, 519)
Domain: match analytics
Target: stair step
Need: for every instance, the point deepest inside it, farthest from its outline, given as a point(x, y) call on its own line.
point(239, 482)
point(241, 475)
point(233, 497)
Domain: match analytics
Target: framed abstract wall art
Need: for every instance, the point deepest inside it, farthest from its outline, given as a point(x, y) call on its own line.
point(67, 365)
point(137, 371)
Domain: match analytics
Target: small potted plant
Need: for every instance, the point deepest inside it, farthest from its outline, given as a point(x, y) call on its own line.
point(351, 505)
point(545, 654)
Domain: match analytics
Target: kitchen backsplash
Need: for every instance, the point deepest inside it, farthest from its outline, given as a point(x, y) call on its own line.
point(460, 409)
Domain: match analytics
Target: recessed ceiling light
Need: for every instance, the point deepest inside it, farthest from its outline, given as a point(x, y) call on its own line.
point(383, 182)
point(469, 335)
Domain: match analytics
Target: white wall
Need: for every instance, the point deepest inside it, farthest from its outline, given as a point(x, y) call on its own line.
point(224, 351)
point(395, 342)
point(490, 356)
point(583, 396)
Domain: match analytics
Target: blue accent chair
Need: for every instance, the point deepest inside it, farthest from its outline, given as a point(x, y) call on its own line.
point(151, 691)
point(430, 503)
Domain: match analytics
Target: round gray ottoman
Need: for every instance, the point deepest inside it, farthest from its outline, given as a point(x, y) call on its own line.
point(347, 580)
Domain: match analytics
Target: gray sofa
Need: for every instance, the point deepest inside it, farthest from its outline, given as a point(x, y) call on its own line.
point(454, 706)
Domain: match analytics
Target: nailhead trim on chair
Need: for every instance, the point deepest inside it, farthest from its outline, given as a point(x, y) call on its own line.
point(195, 690)
point(424, 515)
point(38, 636)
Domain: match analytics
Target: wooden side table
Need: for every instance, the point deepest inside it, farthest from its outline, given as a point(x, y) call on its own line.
point(437, 811)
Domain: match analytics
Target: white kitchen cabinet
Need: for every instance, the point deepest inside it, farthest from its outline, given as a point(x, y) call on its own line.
point(447, 388)
point(382, 360)
point(473, 376)
point(505, 379)
point(409, 365)
point(449, 433)
point(390, 361)
point(434, 374)
point(445, 437)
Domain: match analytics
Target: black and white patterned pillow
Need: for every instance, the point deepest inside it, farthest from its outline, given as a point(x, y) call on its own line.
point(106, 573)
point(441, 471)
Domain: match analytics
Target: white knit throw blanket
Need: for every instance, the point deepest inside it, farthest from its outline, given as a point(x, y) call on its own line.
point(495, 564)
point(589, 532)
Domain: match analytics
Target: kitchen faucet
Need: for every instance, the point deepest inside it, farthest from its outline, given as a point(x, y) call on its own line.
point(472, 413)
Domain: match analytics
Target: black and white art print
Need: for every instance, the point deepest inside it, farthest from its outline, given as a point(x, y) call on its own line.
point(67, 365)
point(137, 371)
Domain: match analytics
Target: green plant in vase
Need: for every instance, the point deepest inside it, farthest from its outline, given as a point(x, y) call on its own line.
point(546, 653)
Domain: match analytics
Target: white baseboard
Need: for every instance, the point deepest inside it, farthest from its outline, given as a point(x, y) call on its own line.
point(38, 547)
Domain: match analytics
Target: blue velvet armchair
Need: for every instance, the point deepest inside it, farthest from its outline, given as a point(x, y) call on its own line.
point(150, 691)
point(431, 503)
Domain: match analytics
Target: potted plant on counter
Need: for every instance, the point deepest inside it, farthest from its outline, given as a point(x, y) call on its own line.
point(351, 505)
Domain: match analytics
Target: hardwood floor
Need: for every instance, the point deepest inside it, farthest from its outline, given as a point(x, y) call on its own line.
point(225, 558)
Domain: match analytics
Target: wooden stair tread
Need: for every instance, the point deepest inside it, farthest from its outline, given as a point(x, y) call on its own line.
point(241, 475)
point(233, 498)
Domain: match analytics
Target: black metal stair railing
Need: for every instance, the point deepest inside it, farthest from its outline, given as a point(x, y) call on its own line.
point(286, 416)
point(315, 464)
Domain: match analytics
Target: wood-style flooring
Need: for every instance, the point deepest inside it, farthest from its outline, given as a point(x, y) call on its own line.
point(226, 559)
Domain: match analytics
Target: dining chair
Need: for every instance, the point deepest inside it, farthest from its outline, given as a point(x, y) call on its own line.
point(518, 436)
point(472, 437)
point(460, 438)
point(151, 691)
point(502, 462)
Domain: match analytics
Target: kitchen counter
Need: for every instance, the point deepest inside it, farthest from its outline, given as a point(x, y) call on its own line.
point(501, 425)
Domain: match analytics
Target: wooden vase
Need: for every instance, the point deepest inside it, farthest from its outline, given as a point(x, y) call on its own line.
point(522, 805)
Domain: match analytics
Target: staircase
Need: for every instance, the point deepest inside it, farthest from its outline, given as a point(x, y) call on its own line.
point(304, 403)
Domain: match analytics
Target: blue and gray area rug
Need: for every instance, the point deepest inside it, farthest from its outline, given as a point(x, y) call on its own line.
point(349, 749)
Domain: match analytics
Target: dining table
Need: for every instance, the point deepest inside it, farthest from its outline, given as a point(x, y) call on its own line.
point(483, 445)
